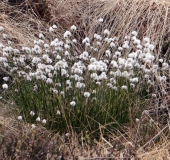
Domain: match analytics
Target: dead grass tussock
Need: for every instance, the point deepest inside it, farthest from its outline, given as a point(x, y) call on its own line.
point(149, 17)
point(156, 153)
point(23, 25)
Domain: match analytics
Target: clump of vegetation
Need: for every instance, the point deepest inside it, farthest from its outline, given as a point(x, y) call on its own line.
point(62, 88)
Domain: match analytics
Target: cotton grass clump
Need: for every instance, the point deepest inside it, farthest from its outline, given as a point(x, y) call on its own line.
point(82, 90)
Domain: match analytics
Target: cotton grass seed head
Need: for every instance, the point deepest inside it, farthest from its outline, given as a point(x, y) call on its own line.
point(41, 36)
point(124, 87)
point(146, 40)
point(86, 40)
point(32, 113)
point(67, 34)
point(101, 20)
point(73, 103)
point(20, 118)
point(73, 28)
point(134, 33)
point(137, 120)
point(4, 36)
point(58, 112)
point(1, 28)
point(38, 119)
point(6, 79)
point(74, 40)
point(86, 94)
point(5, 86)
point(51, 29)
point(106, 32)
point(44, 121)
point(54, 26)
point(33, 126)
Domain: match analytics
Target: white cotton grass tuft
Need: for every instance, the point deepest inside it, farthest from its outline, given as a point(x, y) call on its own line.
point(41, 36)
point(6, 78)
point(4, 36)
point(86, 94)
point(137, 120)
point(134, 33)
point(146, 40)
point(38, 119)
point(20, 118)
point(5, 86)
point(86, 40)
point(1, 28)
point(74, 40)
point(125, 46)
point(51, 29)
point(112, 45)
point(33, 126)
point(106, 32)
point(124, 87)
point(58, 112)
point(32, 113)
point(165, 66)
point(101, 20)
point(67, 34)
point(44, 121)
point(54, 26)
point(73, 28)
point(73, 103)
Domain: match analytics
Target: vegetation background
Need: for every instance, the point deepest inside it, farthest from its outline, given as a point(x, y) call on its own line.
point(146, 137)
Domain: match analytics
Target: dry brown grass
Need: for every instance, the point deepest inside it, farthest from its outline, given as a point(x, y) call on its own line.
point(149, 17)
point(156, 153)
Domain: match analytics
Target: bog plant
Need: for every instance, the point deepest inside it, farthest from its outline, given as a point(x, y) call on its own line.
point(55, 84)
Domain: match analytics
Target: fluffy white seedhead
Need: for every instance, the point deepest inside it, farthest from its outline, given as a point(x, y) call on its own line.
point(32, 113)
point(86, 40)
point(106, 32)
point(20, 118)
point(44, 121)
point(38, 119)
point(165, 66)
point(74, 40)
point(4, 36)
point(33, 126)
point(124, 87)
point(54, 26)
point(73, 28)
point(5, 86)
point(41, 36)
point(1, 28)
point(6, 78)
point(73, 103)
point(101, 20)
point(51, 29)
point(86, 94)
point(58, 112)
point(67, 34)
point(134, 33)
point(146, 40)
point(125, 46)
